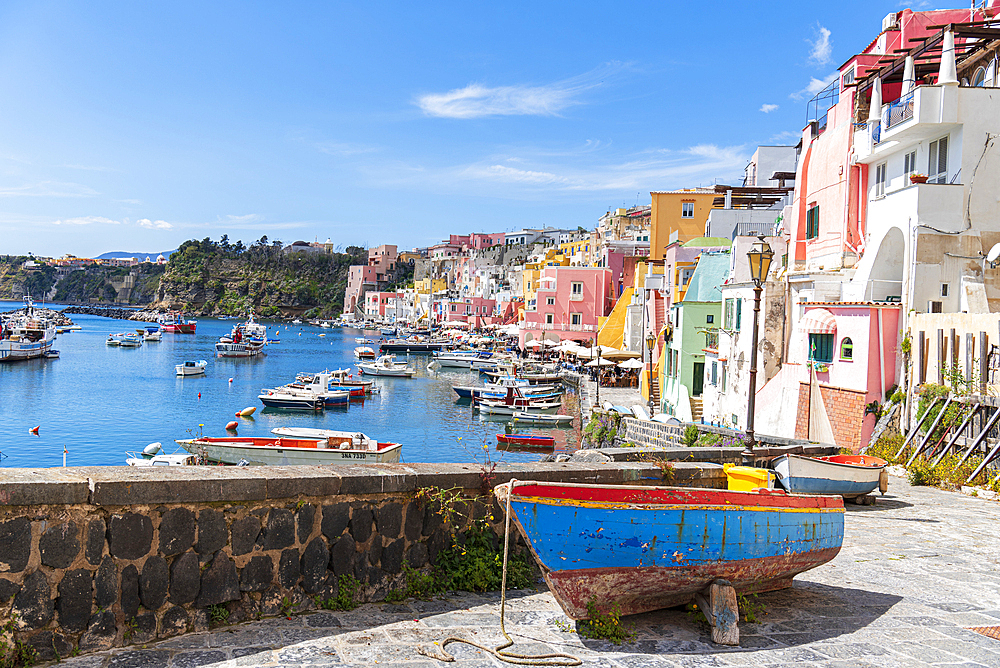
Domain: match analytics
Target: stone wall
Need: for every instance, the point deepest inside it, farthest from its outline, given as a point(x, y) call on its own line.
point(92, 558)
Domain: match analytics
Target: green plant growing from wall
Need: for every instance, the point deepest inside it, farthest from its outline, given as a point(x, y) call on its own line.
point(218, 614)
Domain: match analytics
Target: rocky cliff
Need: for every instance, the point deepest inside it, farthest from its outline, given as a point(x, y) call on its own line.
point(216, 278)
point(135, 285)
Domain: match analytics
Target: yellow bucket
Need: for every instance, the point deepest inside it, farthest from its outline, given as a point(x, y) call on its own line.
point(746, 478)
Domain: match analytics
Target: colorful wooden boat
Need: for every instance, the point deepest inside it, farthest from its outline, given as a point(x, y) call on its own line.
point(845, 475)
point(328, 447)
point(528, 440)
point(646, 548)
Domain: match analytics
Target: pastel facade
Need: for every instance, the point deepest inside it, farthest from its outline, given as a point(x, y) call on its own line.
point(678, 215)
point(570, 302)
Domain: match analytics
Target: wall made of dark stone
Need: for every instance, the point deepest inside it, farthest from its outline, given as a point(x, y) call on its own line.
point(92, 558)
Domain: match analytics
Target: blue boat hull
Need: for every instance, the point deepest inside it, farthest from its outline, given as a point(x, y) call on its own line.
point(660, 546)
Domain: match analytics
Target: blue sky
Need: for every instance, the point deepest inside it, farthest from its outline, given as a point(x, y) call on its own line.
point(135, 126)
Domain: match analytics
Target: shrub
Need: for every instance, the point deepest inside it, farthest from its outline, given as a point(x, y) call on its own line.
point(691, 435)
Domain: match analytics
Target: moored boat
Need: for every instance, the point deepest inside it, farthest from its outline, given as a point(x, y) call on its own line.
point(245, 340)
point(173, 321)
point(339, 448)
point(541, 419)
point(364, 353)
point(25, 335)
point(528, 440)
point(191, 368)
point(291, 401)
point(646, 548)
point(844, 475)
point(386, 365)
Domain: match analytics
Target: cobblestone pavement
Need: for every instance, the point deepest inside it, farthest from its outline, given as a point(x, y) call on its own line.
point(917, 570)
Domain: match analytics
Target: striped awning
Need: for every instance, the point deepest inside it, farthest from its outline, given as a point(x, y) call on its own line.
point(818, 321)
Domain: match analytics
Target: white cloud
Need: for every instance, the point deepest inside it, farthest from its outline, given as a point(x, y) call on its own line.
point(538, 176)
point(48, 189)
point(127, 201)
point(245, 218)
point(786, 135)
point(768, 108)
point(87, 220)
point(477, 100)
point(154, 224)
point(345, 150)
point(821, 47)
point(815, 85)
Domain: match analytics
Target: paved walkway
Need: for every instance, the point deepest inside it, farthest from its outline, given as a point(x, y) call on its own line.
point(619, 396)
point(917, 569)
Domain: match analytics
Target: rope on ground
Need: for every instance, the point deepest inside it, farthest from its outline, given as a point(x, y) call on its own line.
point(554, 659)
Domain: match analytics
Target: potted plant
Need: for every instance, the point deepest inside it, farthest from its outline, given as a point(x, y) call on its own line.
point(918, 178)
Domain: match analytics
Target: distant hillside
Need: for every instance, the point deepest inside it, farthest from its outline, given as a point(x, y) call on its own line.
point(136, 285)
point(139, 256)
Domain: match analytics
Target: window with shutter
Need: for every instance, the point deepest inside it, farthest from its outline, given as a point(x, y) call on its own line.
point(937, 161)
point(880, 180)
point(812, 222)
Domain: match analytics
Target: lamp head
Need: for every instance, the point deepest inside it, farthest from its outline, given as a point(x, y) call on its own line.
point(759, 256)
point(650, 341)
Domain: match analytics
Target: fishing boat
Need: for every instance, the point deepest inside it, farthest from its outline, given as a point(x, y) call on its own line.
point(173, 321)
point(25, 335)
point(364, 353)
point(527, 440)
point(647, 548)
point(848, 476)
point(337, 448)
point(386, 365)
point(151, 455)
point(245, 340)
point(388, 331)
point(191, 368)
point(470, 392)
point(289, 400)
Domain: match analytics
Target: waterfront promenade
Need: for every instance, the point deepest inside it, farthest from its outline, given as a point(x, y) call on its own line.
point(916, 571)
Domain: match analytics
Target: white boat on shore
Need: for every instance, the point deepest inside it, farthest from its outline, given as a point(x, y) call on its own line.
point(191, 368)
point(340, 448)
point(386, 366)
point(848, 476)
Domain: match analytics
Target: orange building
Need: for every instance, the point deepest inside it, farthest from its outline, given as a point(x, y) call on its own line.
point(684, 212)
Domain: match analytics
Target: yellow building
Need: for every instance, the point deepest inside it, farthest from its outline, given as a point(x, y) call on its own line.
point(683, 212)
point(552, 257)
point(578, 253)
point(427, 286)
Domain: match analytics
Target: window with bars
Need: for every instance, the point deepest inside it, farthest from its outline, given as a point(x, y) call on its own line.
point(937, 161)
point(812, 222)
point(880, 180)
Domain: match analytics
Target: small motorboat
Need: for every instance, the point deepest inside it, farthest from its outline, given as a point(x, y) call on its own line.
point(647, 548)
point(191, 368)
point(527, 440)
point(386, 366)
point(114, 339)
point(541, 419)
point(51, 354)
point(333, 448)
point(288, 400)
point(130, 340)
point(150, 333)
point(364, 353)
point(318, 387)
point(848, 476)
point(364, 341)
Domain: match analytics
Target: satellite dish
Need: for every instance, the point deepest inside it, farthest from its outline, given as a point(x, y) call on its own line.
point(994, 253)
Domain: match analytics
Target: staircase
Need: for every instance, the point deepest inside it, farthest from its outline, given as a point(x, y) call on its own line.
point(696, 412)
point(656, 393)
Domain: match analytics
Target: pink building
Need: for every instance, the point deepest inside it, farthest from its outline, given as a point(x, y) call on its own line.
point(569, 302)
point(360, 279)
point(383, 259)
point(475, 310)
point(376, 303)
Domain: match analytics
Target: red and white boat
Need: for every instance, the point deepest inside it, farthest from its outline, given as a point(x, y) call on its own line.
point(173, 321)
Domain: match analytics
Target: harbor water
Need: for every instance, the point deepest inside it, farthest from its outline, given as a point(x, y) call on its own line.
point(97, 401)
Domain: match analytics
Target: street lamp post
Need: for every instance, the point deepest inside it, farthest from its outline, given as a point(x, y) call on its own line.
point(760, 256)
point(650, 342)
point(598, 372)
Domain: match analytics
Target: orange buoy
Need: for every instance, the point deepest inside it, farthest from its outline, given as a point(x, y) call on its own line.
point(230, 380)
point(34, 431)
point(199, 395)
point(247, 412)
point(232, 426)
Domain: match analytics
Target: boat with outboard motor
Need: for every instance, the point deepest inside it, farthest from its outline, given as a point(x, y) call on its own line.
point(336, 448)
point(25, 335)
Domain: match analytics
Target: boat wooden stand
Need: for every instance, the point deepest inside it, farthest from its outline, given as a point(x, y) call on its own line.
point(721, 611)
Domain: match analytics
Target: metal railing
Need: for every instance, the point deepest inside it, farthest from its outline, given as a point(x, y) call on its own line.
point(899, 111)
point(753, 229)
point(887, 286)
